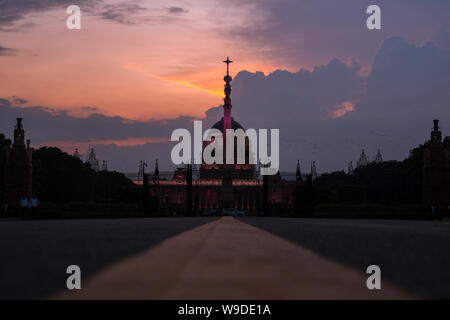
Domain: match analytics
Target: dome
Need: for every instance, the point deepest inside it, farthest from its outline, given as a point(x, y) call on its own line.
point(234, 125)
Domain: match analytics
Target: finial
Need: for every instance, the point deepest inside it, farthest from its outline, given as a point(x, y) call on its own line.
point(436, 134)
point(19, 123)
point(228, 61)
point(350, 168)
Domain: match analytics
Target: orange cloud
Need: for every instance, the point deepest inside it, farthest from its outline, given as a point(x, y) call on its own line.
point(138, 71)
point(341, 109)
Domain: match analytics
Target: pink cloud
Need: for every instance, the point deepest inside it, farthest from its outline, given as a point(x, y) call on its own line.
point(341, 109)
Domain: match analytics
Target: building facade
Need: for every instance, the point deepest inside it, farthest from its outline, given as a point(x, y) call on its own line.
point(220, 186)
point(19, 167)
point(436, 172)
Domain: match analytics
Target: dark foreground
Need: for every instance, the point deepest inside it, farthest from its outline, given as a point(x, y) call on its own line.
point(415, 255)
point(34, 255)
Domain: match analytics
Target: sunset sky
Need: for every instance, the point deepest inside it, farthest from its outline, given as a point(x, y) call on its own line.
point(152, 63)
point(137, 59)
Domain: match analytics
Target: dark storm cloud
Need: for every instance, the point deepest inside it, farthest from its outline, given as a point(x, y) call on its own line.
point(4, 103)
point(7, 51)
point(132, 13)
point(123, 13)
point(19, 101)
point(12, 11)
point(393, 110)
point(300, 104)
point(408, 87)
point(442, 39)
point(44, 125)
point(313, 32)
point(47, 124)
point(311, 93)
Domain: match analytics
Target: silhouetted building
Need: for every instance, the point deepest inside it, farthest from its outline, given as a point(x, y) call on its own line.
point(350, 168)
point(92, 160)
point(19, 167)
point(313, 171)
point(436, 172)
point(222, 185)
point(224, 171)
point(378, 157)
point(363, 160)
point(228, 173)
point(77, 154)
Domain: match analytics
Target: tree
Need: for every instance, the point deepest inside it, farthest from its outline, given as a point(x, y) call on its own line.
point(60, 177)
point(388, 183)
point(3, 144)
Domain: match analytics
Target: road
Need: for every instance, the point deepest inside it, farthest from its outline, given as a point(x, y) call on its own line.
point(224, 258)
point(413, 254)
point(34, 255)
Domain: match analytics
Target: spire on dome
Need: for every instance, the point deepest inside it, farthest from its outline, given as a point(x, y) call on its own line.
point(313, 171)
point(104, 165)
point(298, 173)
point(77, 154)
point(92, 160)
point(378, 157)
point(350, 168)
point(227, 100)
point(436, 135)
point(363, 160)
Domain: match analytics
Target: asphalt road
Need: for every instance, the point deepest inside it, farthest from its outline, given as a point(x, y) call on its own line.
point(34, 255)
point(414, 255)
point(228, 259)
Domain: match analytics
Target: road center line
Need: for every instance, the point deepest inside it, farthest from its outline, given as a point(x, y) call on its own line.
point(229, 259)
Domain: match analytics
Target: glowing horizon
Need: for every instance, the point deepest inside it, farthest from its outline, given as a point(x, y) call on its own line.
point(129, 70)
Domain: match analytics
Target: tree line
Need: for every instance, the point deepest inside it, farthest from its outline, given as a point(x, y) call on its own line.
point(386, 183)
point(59, 177)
